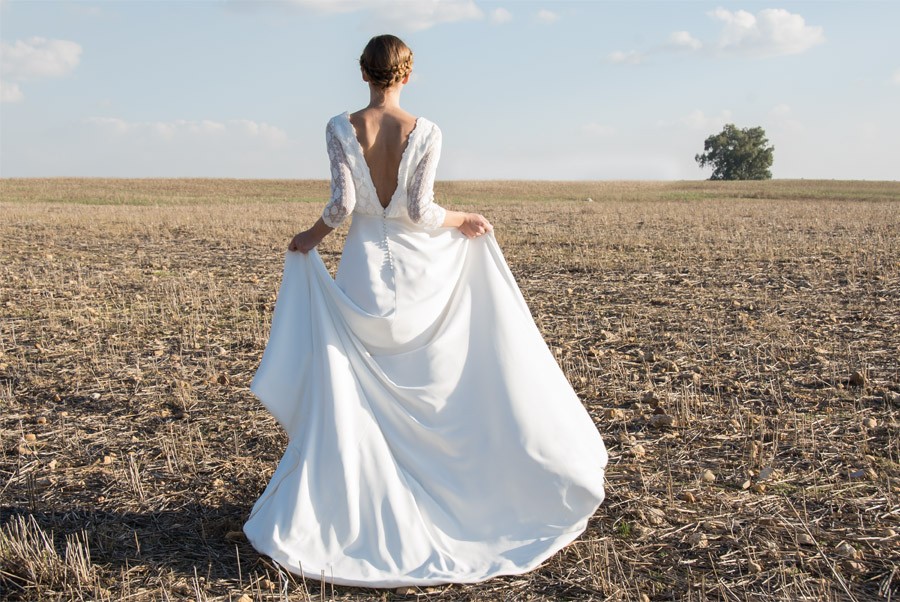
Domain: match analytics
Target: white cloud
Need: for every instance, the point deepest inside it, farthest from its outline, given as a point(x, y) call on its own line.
point(895, 79)
point(251, 128)
point(203, 129)
point(107, 144)
point(771, 32)
point(500, 15)
point(677, 41)
point(632, 57)
point(86, 9)
point(683, 39)
point(781, 110)
point(416, 16)
point(546, 16)
point(332, 6)
point(782, 117)
point(10, 92)
point(869, 131)
point(38, 57)
point(407, 16)
point(598, 129)
point(698, 120)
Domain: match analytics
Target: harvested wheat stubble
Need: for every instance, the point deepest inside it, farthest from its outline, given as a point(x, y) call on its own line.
point(736, 343)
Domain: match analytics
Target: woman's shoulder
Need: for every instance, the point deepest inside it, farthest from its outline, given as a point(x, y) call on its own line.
point(427, 136)
point(346, 116)
point(429, 123)
point(337, 120)
point(428, 128)
point(432, 132)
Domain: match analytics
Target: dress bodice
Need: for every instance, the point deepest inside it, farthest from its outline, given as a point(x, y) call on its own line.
point(352, 188)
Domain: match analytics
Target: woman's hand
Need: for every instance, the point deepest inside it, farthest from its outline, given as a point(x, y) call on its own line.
point(308, 239)
point(475, 224)
point(304, 241)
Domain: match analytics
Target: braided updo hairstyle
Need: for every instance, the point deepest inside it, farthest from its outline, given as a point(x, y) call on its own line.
point(386, 60)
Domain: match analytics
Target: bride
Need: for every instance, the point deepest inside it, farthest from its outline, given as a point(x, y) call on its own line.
point(433, 438)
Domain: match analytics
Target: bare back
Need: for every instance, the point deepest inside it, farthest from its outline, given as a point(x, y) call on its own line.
point(383, 137)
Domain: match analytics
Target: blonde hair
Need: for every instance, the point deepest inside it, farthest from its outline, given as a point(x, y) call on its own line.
point(386, 60)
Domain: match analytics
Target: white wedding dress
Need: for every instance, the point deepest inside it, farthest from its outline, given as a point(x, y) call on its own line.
point(433, 438)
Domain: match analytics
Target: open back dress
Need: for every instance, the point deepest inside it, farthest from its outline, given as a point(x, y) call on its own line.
point(433, 438)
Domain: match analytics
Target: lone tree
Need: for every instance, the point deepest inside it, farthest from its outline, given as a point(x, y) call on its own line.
point(737, 154)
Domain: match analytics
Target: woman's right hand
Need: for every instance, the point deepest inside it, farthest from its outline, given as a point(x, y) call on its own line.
point(304, 241)
point(475, 224)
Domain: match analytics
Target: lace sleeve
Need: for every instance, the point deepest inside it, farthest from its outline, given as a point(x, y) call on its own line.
point(343, 194)
point(422, 208)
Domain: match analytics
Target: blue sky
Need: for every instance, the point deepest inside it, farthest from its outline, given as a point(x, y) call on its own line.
point(521, 90)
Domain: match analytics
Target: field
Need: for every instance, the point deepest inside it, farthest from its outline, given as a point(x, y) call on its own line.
point(737, 344)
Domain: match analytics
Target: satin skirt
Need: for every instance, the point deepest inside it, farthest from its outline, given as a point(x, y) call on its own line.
point(433, 438)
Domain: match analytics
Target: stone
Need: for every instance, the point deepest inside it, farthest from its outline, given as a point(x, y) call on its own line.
point(660, 421)
point(614, 414)
point(650, 398)
point(698, 540)
point(846, 550)
point(655, 516)
point(805, 539)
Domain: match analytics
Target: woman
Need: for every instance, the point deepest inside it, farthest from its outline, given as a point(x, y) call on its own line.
point(433, 436)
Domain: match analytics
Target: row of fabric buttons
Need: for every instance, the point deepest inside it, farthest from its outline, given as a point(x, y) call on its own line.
point(387, 246)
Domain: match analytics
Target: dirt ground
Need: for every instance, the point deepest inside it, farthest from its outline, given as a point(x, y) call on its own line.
point(736, 344)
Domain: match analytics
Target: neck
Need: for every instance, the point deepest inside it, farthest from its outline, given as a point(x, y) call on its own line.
point(384, 99)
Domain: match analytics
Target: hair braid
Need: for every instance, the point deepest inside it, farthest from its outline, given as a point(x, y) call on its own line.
point(386, 60)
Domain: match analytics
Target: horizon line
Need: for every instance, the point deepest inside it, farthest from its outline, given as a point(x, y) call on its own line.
point(547, 180)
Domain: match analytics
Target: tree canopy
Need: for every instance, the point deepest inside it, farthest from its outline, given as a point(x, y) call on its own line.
point(738, 154)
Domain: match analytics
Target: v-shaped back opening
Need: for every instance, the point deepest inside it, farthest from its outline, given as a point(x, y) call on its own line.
point(365, 162)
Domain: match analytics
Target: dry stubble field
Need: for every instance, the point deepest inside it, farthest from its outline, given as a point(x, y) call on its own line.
point(736, 344)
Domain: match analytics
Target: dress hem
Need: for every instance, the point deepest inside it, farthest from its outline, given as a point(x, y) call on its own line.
point(561, 541)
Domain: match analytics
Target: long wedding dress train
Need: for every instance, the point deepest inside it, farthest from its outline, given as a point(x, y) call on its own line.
point(433, 438)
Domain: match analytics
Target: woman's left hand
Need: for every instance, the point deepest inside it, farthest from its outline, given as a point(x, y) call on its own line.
point(304, 242)
point(474, 225)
